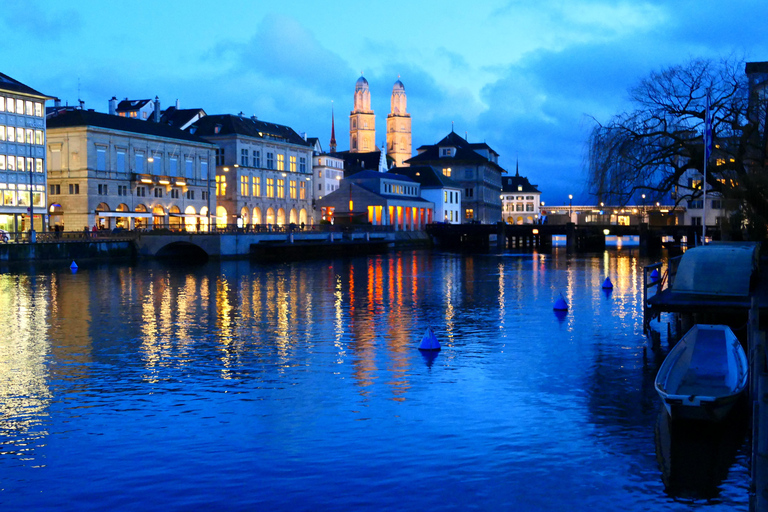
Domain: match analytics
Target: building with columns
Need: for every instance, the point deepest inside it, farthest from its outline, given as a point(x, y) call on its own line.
point(399, 126)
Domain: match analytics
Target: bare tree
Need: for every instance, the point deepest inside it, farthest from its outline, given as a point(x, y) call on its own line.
point(649, 149)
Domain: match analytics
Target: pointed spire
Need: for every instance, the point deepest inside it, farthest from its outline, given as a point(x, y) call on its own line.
point(333, 131)
point(517, 167)
point(383, 158)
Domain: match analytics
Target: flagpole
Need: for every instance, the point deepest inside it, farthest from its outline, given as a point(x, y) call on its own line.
point(707, 151)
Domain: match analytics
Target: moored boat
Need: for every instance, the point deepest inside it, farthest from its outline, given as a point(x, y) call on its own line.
point(703, 375)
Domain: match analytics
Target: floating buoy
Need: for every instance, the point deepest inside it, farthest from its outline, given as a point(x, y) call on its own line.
point(560, 304)
point(429, 341)
point(73, 266)
point(655, 275)
point(607, 284)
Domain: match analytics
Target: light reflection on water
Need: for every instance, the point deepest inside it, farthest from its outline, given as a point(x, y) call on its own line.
point(299, 387)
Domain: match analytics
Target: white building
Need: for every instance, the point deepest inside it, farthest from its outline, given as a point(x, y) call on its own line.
point(520, 201)
point(328, 172)
point(437, 188)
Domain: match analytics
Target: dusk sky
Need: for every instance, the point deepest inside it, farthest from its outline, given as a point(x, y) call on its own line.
point(526, 77)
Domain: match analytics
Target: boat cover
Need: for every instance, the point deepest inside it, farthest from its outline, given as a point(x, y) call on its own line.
point(724, 268)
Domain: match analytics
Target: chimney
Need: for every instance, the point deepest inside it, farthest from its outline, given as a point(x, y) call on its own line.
point(113, 106)
point(82, 104)
point(57, 102)
point(157, 109)
point(177, 103)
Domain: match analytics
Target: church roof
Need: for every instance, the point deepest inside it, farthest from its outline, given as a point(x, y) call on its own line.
point(228, 124)
point(426, 176)
point(78, 117)
point(398, 86)
point(356, 162)
point(361, 83)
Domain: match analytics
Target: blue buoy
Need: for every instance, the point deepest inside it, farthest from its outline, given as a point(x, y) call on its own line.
point(429, 341)
point(73, 266)
point(560, 304)
point(607, 284)
point(655, 275)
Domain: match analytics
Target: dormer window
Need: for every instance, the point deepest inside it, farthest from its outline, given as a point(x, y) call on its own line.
point(446, 151)
point(519, 188)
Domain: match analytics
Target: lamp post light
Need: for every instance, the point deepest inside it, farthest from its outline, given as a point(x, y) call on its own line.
point(642, 219)
point(570, 207)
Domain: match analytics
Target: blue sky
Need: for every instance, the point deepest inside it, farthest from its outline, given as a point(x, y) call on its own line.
point(527, 77)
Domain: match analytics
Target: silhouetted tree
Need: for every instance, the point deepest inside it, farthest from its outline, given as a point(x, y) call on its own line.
point(648, 150)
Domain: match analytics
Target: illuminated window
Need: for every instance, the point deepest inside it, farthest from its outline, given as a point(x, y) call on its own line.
point(280, 162)
point(29, 108)
point(39, 137)
point(281, 189)
point(292, 190)
point(302, 190)
point(244, 185)
point(2, 104)
point(2, 162)
point(256, 186)
point(39, 109)
point(20, 135)
point(221, 185)
point(2, 132)
point(469, 214)
point(19, 106)
point(292, 163)
point(270, 187)
point(447, 171)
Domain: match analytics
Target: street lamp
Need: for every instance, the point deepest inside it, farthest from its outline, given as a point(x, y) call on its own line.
point(570, 206)
point(643, 210)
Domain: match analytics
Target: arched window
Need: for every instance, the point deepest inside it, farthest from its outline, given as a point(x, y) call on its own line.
point(221, 217)
point(256, 216)
point(280, 217)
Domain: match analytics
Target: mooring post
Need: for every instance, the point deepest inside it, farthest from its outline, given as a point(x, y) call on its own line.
point(570, 237)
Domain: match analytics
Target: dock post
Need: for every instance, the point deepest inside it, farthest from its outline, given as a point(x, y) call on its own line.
point(570, 237)
point(758, 388)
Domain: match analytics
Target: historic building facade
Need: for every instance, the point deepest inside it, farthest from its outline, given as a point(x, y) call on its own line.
point(22, 156)
point(121, 172)
point(399, 126)
point(362, 120)
point(263, 172)
point(474, 166)
point(521, 201)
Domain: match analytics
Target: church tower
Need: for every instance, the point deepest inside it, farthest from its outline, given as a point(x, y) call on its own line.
point(399, 126)
point(362, 121)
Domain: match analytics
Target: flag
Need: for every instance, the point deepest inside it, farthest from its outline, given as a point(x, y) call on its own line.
point(708, 128)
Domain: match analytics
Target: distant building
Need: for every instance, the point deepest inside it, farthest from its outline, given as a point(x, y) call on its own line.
point(263, 171)
point(438, 188)
point(520, 202)
point(22, 156)
point(135, 109)
point(474, 166)
point(399, 127)
point(328, 172)
point(114, 171)
point(362, 120)
point(379, 199)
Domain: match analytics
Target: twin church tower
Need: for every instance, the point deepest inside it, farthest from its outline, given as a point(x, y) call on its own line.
point(362, 123)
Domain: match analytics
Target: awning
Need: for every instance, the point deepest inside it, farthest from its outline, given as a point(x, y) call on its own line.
point(125, 214)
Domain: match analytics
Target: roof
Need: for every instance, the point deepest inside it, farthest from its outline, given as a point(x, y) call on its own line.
point(756, 67)
point(79, 117)
point(513, 184)
point(426, 176)
point(128, 105)
point(465, 151)
point(356, 162)
point(229, 124)
point(180, 118)
point(12, 85)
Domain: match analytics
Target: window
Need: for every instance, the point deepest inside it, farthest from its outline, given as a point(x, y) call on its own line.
point(256, 186)
point(469, 214)
point(469, 192)
point(190, 194)
point(717, 204)
point(204, 195)
point(39, 137)
point(174, 193)
point(204, 169)
point(2, 132)
point(447, 171)
point(302, 164)
point(302, 190)
point(38, 109)
point(157, 165)
point(221, 186)
point(696, 205)
point(103, 190)
point(695, 221)
point(11, 134)
point(244, 186)
point(244, 157)
point(292, 190)
point(270, 187)
point(39, 164)
point(292, 163)
point(445, 152)
point(20, 135)
point(189, 168)
point(469, 174)
point(281, 189)
point(29, 108)
point(219, 156)
point(256, 158)
point(529, 207)
point(139, 164)
point(2, 104)
point(158, 192)
point(54, 189)
point(19, 163)
point(122, 190)
point(173, 169)
point(74, 188)
point(280, 162)
point(120, 161)
point(270, 160)
point(141, 191)
point(2, 162)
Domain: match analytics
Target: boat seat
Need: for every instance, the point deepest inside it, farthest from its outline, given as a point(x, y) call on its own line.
point(708, 369)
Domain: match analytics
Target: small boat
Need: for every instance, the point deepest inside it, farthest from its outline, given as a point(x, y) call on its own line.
point(704, 374)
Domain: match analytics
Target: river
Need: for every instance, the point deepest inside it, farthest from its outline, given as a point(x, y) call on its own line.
point(299, 386)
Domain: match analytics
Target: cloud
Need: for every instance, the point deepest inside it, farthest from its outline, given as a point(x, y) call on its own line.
point(47, 23)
